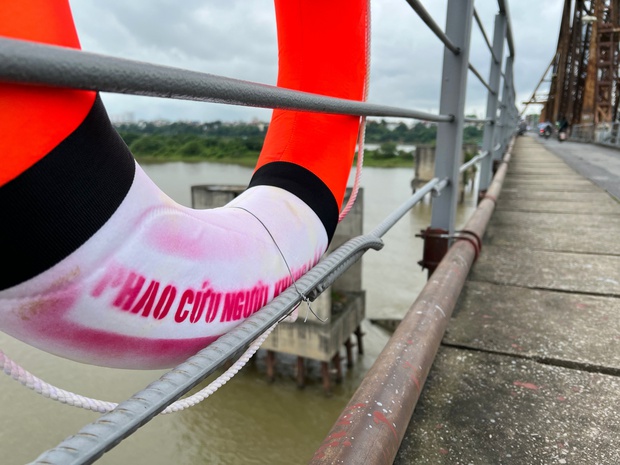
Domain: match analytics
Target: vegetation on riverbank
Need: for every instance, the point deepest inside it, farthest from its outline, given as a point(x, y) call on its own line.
point(240, 143)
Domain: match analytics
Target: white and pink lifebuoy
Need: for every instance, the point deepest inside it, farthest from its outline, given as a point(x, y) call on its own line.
point(101, 267)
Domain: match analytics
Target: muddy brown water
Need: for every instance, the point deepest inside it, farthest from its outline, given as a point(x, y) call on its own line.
point(249, 420)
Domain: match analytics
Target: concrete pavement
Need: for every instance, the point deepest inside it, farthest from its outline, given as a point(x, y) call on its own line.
point(598, 163)
point(529, 368)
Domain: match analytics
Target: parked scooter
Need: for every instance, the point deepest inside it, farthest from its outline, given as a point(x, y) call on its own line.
point(562, 136)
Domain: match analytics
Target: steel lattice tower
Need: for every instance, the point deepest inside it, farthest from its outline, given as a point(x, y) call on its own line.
point(584, 83)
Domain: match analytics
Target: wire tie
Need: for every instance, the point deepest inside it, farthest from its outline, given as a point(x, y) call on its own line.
point(303, 297)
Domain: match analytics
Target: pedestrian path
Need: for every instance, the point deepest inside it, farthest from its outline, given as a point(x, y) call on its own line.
point(529, 368)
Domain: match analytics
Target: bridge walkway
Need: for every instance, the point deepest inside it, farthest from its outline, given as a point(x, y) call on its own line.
point(529, 369)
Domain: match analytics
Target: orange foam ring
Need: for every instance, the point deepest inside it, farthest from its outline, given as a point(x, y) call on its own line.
point(36, 119)
point(322, 49)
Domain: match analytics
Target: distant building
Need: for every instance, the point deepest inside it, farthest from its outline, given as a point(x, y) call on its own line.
point(123, 118)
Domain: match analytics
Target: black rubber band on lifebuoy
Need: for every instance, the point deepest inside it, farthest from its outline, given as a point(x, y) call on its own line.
point(304, 184)
point(61, 201)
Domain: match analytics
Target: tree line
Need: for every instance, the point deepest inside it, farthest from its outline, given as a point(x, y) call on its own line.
point(241, 143)
point(420, 133)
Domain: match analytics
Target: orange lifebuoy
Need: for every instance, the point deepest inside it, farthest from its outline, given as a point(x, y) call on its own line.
point(104, 268)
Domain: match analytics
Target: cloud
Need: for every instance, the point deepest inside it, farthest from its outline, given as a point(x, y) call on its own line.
point(237, 38)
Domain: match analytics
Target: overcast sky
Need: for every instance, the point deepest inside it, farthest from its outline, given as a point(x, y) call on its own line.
point(237, 38)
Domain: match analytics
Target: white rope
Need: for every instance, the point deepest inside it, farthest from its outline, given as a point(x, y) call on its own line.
point(201, 395)
point(45, 389)
point(358, 171)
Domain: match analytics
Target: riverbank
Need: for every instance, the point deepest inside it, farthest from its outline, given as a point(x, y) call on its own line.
point(250, 162)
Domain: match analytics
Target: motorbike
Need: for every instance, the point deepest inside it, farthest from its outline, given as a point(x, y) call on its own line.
point(562, 136)
point(545, 132)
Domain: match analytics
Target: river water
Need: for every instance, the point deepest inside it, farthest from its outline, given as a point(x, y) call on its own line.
point(249, 420)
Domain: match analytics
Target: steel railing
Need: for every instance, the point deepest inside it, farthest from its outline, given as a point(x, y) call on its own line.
point(353, 439)
point(55, 66)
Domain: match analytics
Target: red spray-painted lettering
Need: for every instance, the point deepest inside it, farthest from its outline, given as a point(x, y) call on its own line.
point(135, 293)
point(242, 304)
point(285, 282)
point(199, 300)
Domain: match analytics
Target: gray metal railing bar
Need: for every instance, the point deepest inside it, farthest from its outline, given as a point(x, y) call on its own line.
point(482, 80)
point(35, 63)
point(430, 22)
point(473, 161)
point(434, 185)
point(102, 435)
point(503, 9)
point(484, 35)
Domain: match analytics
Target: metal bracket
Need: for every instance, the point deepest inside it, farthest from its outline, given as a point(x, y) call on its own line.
point(437, 243)
point(472, 238)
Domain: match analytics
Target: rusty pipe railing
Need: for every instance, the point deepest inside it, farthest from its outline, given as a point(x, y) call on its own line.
point(372, 425)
